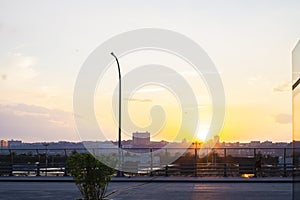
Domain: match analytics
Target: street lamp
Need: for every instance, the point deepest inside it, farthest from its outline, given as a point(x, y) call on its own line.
point(46, 155)
point(196, 156)
point(119, 173)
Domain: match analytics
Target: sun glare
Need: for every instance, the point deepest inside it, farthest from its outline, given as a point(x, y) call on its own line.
point(202, 134)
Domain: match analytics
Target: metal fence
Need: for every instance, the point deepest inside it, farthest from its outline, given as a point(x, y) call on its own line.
point(217, 162)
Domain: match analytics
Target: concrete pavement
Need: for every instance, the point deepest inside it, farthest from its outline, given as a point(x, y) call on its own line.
point(160, 188)
point(152, 179)
point(151, 190)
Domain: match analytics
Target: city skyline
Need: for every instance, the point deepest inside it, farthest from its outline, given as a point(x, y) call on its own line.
point(131, 143)
point(130, 139)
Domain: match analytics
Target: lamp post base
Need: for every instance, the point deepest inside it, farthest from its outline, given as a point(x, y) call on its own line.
point(120, 174)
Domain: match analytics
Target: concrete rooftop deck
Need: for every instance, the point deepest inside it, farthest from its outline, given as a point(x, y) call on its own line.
point(157, 188)
point(151, 179)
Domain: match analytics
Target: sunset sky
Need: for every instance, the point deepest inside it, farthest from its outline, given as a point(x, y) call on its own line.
point(45, 43)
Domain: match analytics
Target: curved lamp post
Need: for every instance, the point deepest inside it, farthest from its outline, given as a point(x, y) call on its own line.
point(119, 173)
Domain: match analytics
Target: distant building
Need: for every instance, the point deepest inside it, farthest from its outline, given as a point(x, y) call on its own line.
point(3, 144)
point(267, 143)
point(216, 139)
point(254, 144)
point(141, 138)
point(14, 143)
point(296, 144)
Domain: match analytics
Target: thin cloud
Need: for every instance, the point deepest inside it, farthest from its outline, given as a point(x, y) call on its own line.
point(146, 90)
point(284, 86)
point(255, 79)
point(18, 66)
point(31, 122)
point(283, 118)
point(34, 112)
point(139, 100)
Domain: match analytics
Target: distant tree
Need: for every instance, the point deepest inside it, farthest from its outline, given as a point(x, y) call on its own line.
point(185, 158)
point(90, 175)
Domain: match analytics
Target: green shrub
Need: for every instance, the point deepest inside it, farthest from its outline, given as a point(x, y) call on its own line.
point(90, 175)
